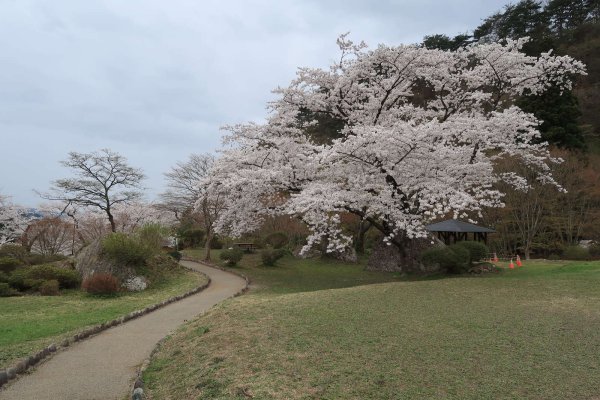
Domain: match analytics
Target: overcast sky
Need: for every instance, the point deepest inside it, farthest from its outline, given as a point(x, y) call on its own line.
point(154, 80)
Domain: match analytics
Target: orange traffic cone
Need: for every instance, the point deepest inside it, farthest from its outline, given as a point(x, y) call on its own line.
point(495, 258)
point(519, 263)
point(511, 265)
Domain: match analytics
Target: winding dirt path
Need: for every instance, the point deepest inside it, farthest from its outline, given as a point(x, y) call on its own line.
point(103, 367)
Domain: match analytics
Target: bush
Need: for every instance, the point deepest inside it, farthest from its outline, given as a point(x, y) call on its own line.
point(594, 250)
point(151, 236)
point(270, 256)
point(13, 250)
point(232, 256)
point(35, 259)
point(192, 237)
point(454, 259)
point(6, 290)
point(216, 243)
point(49, 288)
point(9, 263)
point(125, 249)
point(477, 250)
point(175, 255)
point(276, 240)
point(67, 278)
point(33, 277)
point(576, 253)
point(101, 284)
point(4, 277)
point(33, 283)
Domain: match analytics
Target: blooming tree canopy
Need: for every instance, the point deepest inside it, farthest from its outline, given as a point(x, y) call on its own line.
point(420, 133)
point(13, 220)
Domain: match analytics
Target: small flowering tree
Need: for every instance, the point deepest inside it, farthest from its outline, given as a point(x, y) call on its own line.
point(420, 132)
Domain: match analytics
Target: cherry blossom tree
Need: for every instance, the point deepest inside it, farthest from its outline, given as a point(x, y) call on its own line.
point(134, 215)
point(421, 132)
point(13, 220)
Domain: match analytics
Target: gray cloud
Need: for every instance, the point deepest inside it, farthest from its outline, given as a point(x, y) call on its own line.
point(155, 80)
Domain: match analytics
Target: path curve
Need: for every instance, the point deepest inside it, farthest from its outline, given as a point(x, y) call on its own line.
point(103, 367)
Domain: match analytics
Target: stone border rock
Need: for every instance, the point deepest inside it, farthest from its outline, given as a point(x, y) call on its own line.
point(137, 392)
point(8, 374)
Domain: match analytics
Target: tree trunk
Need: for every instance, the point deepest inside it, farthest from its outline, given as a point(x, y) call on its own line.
point(209, 236)
point(111, 219)
point(359, 244)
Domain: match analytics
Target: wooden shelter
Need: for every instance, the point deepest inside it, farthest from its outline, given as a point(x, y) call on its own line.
point(453, 230)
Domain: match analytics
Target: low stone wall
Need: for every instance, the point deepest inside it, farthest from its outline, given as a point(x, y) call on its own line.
point(28, 362)
point(138, 385)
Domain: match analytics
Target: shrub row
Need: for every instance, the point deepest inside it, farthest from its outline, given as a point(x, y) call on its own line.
point(33, 277)
point(580, 253)
point(14, 255)
point(456, 258)
point(271, 256)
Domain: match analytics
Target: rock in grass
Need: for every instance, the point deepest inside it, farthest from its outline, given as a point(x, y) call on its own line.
point(11, 373)
point(21, 367)
point(3, 377)
point(138, 384)
point(138, 394)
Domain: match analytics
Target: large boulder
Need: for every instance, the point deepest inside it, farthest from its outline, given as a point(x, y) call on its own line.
point(89, 261)
point(389, 257)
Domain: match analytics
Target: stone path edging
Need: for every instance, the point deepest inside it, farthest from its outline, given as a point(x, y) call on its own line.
point(11, 373)
point(137, 392)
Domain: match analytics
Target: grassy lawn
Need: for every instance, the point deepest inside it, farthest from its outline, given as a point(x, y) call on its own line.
point(531, 333)
point(294, 275)
point(29, 323)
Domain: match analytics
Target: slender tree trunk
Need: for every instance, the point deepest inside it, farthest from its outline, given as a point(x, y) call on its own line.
point(363, 228)
point(209, 236)
point(111, 219)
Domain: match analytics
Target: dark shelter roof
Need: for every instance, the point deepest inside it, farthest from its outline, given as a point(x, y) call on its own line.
point(454, 225)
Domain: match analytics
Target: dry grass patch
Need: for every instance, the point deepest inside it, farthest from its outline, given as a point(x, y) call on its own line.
point(495, 337)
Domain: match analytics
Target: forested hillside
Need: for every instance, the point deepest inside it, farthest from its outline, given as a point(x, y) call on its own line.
point(543, 221)
point(571, 119)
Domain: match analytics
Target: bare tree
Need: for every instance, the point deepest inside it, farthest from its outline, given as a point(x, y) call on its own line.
point(575, 213)
point(186, 192)
point(103, 180)
point(50, 235)
point(183, 189)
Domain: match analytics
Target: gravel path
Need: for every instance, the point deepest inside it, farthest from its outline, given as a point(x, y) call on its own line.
point(103, 367)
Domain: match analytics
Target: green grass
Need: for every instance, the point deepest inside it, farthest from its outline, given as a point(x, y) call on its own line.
point(292, 275)
point(530, 333)
point(29, 323)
